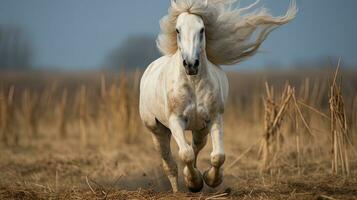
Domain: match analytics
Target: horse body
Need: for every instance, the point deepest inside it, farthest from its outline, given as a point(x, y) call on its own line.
point(169, 91)
point(187, 90)
point(172, 102)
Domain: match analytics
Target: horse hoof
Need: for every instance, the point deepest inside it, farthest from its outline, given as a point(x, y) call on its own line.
point(212, 179)
point(193, 182)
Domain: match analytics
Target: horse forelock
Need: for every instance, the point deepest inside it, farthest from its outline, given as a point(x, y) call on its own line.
point(232, 34)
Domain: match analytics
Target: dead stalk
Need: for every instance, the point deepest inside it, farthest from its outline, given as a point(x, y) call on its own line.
point(62, 117)
point(83, 116)
point(104, 111)
point(274, 115)
point(30, 114)
point(339, 128)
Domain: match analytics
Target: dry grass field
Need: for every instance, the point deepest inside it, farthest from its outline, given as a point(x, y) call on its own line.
point(288, 135)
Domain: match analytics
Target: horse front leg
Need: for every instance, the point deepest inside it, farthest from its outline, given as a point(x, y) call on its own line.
point(214, 176)
point(193, 177)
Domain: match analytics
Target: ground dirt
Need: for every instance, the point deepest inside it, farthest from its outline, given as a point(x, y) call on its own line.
point(106, 153)
point(59, 170)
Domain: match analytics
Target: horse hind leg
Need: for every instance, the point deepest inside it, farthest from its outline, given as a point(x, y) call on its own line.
point(199, 140)
point(161, 137)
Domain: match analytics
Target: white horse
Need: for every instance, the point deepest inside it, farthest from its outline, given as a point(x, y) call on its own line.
point(187, 90)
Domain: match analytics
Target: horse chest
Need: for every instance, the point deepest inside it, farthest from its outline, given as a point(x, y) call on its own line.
point(195, 106)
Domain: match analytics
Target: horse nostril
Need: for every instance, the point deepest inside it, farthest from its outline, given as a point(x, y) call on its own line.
point(197, 63)
point(184, 63)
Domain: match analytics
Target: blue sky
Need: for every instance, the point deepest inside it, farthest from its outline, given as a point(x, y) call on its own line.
point(81, 33)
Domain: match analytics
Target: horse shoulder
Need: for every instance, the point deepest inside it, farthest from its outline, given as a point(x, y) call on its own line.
point(152, 95)
point(154, 67)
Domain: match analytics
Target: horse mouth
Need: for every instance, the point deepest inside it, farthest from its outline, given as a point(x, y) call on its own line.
point(192, 72)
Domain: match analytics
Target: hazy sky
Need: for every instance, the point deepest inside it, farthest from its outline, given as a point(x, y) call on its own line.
point(81, 33)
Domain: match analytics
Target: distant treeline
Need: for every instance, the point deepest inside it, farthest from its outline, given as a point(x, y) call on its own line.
point(135, 52)
point(15, 48)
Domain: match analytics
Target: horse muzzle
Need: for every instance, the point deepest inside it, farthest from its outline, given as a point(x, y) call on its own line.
point(192, 72)
point(191, 68)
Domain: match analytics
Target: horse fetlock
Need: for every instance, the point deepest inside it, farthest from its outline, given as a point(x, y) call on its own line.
point(174, 183)
point(193, 179)
point(217, 160)
point(213, 177)
point(187, 155)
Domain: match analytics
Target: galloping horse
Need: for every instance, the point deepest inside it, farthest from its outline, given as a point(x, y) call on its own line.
point(186, 89)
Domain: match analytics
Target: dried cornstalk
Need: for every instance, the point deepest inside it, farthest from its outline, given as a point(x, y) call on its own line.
point(62, 118)
point(354, 115)
point(9, 118)
point(104, 112)
point(307, 99)
point(304, 90)
point(124, 109)
point(274, 115)
point(339, 128)
point(134, 101)
point(48, 95)
point(29, 111)
point(3, 116)
point(82, 109)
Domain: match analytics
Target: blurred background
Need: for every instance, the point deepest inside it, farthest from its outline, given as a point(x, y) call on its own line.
point(93, 34)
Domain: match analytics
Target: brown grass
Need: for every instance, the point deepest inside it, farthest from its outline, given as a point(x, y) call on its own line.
point(79, 136)
point(340, 139)
point(274, 115)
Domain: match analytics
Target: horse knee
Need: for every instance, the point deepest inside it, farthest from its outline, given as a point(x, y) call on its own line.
point(217, 160)
point(187, 155)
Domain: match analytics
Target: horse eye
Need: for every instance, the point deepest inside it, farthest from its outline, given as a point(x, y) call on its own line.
point(202, 31)
point(177, 31)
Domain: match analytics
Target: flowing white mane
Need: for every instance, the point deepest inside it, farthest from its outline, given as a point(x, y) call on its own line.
point(232, 34)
